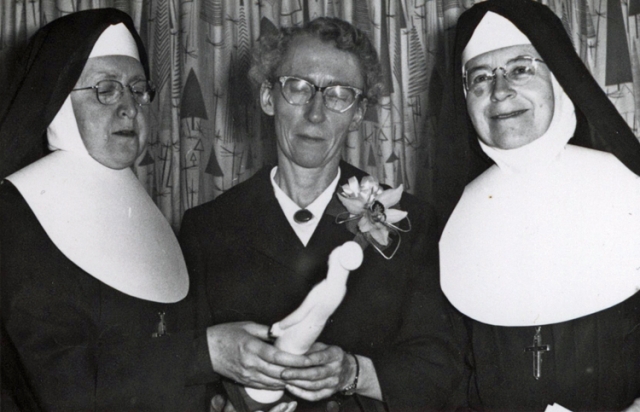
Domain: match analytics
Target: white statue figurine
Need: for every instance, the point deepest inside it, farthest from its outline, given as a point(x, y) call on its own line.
point(298, 331)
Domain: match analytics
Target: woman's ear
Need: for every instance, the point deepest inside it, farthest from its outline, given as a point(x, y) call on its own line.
point(358, 116)
point(266, 99)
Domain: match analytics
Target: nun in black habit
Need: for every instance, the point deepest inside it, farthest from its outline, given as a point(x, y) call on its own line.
point(94, 315)
point(97, 312)
point(542, 252)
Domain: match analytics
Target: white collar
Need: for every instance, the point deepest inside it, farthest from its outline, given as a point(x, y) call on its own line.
point(102, 219)
point(549, 234)
point(305, 230)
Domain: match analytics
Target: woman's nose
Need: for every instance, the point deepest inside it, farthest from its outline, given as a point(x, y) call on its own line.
point(501, 88)
point(315, 108)
point(127, 106)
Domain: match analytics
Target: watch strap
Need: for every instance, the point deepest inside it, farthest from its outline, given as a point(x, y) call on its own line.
point(353, 386)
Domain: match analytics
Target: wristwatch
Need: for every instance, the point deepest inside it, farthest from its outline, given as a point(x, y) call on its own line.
point(351, 388)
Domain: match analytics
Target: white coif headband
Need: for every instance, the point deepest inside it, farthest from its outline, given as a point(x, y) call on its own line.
point(63, 133)
point(115, 40)
point(102, 219)
point(492, 33)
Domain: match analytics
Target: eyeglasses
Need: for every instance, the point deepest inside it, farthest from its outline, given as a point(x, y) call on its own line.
point(110, 91)
point(517, 72)
point(299, 92)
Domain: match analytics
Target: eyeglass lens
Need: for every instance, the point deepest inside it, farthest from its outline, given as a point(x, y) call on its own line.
point(299, 92)
point(110, 91)
point(517, 72)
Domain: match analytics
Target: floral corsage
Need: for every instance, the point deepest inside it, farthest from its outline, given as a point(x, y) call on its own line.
point(371, 206)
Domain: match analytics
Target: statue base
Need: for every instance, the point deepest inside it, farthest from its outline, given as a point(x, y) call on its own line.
point(241, 400)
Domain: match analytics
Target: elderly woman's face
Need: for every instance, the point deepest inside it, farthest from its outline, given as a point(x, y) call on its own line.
point(506, 115)
point(310, 135)
point(115, 134)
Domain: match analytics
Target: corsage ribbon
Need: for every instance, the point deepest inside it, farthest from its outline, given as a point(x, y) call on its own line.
point(372, 207)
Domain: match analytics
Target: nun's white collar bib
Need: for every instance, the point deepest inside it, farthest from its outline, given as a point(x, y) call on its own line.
point(549, 234)
point(102, 219)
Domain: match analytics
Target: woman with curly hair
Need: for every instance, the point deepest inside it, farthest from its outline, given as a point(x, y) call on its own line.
point(256, 251)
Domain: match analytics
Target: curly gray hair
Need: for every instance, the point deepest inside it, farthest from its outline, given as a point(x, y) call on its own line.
point(271, 49)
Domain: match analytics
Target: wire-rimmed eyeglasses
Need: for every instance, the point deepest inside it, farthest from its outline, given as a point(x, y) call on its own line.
point(299, 92)
point(517, 71)
point(110, 91)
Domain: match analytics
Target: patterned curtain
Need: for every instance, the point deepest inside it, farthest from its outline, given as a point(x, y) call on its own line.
point(208, 133)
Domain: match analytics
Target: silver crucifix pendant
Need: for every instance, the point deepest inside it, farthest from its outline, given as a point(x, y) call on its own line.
point(538, 349)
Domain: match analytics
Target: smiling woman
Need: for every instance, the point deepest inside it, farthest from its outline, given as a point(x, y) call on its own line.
point(507, 112)
point(540, 254)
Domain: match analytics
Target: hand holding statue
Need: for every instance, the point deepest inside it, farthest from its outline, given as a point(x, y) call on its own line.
point(297, 332)
point(331, 371)
point(238, 351)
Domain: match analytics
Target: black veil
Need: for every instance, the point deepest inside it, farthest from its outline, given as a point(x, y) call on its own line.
point(48, 71)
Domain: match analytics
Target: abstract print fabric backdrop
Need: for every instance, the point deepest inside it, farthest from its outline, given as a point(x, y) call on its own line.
point(208, 133)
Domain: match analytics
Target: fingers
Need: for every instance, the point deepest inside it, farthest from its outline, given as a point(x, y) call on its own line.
point(313, 373)
point(330, 382)
point(229, 407)
point(317, 346)
point(252, 370)
point(321, 354)
point(217, 404)
point(220, 404)
point(261, 365)
point(270, 354)
point(309, 395)
point(237, 354)
point(291, 406)
point(259, 331)
point(318, 382)
point(286, 359)
point(260, 381)
point(269, 374)
point(327, 362)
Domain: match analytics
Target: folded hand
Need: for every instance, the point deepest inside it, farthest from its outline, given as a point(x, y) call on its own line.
point(330, 370)
point(238, 352)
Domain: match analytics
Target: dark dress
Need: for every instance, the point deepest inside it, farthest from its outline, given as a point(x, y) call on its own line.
point(243, 254)
point(593, 364)
point(72, 343)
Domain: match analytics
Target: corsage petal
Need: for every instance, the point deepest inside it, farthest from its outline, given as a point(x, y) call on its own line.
point(372, 206)
point(380, 234)
point(390, 197)
point(369, 183)
point(367, 196)
point(365, 225)
point(353, 186)
point(354, 205)
point(395, 215)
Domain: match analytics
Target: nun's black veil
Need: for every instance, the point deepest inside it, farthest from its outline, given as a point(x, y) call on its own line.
point(48, 71)
point(600, 126)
